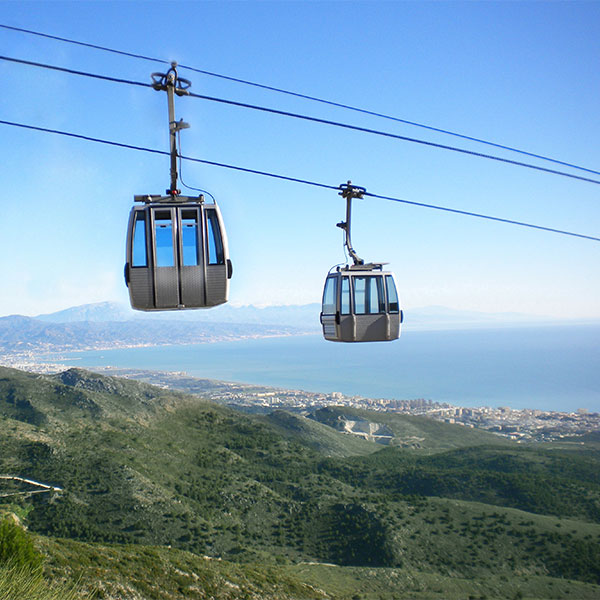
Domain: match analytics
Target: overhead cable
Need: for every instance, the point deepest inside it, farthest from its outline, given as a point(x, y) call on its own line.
point(298, 180)
point(88, 138)
point(312, 119)
point(307, 97)
point(481, 216)
point(395, 136)
point(31, 63)
point(85, 44)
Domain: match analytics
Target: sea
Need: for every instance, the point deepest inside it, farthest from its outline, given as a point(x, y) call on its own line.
point(548, 368)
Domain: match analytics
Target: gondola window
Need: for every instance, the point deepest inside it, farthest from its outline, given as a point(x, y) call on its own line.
point(215, 243)
point(163, 231)
point(140, 255)
point(189, 238)
point(392, 294)
point(329, 296)
point(345, 303)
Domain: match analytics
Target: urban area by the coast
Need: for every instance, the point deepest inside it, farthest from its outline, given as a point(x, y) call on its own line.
point(522, 425)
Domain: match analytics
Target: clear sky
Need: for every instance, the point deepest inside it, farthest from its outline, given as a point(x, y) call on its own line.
point(525, 74)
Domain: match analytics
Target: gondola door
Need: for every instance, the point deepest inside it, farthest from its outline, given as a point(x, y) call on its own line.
point(191, 268)
point(337, 318)
point(369, 308)
point(166, 279)
point(346, 321)
point(330, 312)
point(179, 269)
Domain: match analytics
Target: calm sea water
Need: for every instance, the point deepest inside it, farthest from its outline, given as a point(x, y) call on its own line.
point(551, 368)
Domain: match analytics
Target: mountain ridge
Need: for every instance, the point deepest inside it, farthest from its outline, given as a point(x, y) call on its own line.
point(305, 316)
point(28, 334)
point(109, 324)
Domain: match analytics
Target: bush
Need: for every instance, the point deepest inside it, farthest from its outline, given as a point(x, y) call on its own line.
point(16, 546)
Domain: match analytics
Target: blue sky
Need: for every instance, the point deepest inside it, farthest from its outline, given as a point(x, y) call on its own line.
point(524, 74)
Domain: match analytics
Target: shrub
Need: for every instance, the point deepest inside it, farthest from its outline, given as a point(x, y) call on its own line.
point(16, 546)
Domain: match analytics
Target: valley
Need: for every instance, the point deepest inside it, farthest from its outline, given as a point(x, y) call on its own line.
point(226, 504)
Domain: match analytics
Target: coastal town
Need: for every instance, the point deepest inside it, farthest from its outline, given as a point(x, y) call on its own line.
point(517, 424)
point(521, 425)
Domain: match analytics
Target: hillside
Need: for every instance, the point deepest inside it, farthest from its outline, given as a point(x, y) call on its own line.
point(143, 469)
point(407, 431)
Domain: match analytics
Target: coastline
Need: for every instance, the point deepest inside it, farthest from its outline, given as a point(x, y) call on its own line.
point(40, 360)
point(540, 368)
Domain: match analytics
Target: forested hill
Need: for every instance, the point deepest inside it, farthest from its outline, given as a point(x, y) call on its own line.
point(145, 466)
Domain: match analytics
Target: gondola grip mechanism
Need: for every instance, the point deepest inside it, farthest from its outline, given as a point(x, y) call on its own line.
point(349, 191)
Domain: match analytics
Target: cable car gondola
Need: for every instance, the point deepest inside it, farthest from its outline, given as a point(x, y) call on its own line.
point(360, 301)
point(177, 255)
point(360, 304)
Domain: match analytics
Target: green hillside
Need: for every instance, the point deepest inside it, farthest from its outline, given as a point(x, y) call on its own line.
point(318, 436)
point(407, 431)
point(161, 573)
point(159, 480)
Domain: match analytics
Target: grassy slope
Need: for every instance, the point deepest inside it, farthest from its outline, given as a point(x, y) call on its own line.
point(160, 573)
point(23, 583)
point(142, 466)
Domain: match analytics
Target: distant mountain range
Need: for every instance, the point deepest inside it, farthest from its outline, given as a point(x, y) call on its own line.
point(27, 334)
point(110, 324)
point(305, 316)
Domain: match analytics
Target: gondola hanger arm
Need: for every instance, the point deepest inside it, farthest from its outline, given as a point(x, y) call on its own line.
point(171, 83)
point(349, 191)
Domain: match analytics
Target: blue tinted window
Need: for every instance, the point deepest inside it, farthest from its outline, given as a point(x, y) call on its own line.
point(345, 299)
point(163, 239)
point(215, 242)
point(360, 296)
point(369, 298)
point(376, 295)
point(189, 238)
point(392, 294)
point(329, 296)
point(140, 258)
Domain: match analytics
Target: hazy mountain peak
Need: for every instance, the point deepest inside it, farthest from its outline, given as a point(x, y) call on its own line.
point(305, 316)
point(96, 312)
